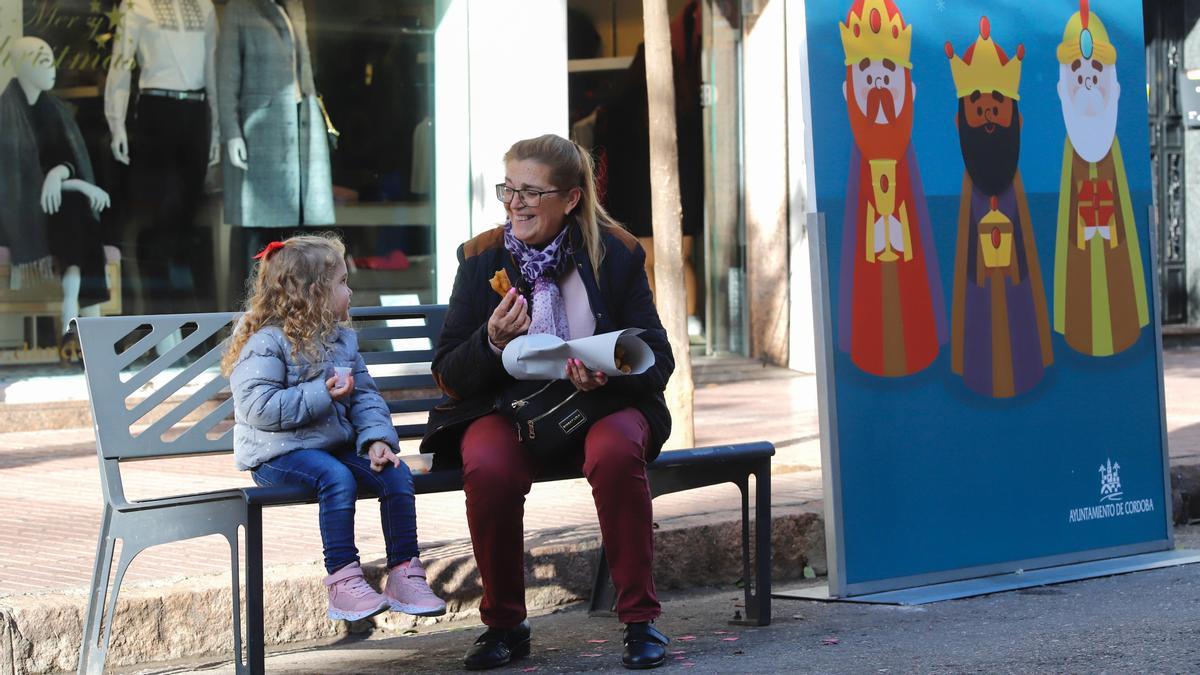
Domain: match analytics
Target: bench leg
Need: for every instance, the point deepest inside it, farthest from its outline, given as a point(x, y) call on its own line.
point(762, 541)
point(107, 606)
point(604, 596)
point(94, 650)
point(255, 647)
point(235, 591)
point(756, 576)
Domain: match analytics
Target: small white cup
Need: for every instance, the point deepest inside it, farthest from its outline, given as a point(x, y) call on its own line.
point(342, 373)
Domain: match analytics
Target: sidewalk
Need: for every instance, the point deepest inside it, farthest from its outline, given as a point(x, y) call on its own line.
point(50, 510)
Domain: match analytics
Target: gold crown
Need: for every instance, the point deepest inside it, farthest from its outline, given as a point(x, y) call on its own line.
point(873, 34)
point(989, 69)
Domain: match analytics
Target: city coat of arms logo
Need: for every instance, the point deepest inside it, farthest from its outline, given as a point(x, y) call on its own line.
point(1110, 482)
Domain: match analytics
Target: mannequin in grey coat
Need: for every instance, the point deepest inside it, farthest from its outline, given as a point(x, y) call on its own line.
point(277, 165)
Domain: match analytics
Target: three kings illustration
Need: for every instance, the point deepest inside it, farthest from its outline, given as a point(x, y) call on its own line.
point(1000, 329)
point(1099, 286)
point(891, 313)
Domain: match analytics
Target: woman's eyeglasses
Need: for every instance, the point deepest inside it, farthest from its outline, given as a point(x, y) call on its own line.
point(529, 196)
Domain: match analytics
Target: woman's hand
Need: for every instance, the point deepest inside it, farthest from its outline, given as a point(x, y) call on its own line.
point(338, 393)
point(509, 320)
point(381, 455)
point(584, 379)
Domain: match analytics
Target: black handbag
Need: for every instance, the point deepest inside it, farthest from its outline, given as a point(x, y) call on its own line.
point(552, 418)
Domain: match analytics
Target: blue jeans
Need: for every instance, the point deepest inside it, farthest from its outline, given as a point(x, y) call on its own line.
point(337, 477)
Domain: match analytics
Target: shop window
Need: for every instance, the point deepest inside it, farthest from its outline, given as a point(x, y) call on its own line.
point(321, 115)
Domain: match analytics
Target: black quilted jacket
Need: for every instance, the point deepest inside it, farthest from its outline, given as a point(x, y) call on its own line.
point(470, 374)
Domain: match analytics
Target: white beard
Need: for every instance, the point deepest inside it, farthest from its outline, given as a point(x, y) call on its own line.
point(1091, 124)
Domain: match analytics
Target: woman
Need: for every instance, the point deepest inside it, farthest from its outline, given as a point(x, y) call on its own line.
point(575, 272)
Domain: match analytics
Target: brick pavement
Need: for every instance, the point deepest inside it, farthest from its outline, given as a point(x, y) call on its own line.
point(50, 494)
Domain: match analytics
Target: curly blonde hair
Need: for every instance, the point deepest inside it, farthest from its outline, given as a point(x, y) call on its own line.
point(292, 288)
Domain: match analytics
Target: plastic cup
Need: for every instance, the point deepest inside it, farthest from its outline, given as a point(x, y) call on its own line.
point(342, 373)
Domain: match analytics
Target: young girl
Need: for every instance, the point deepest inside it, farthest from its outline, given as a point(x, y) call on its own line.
point(299, 422)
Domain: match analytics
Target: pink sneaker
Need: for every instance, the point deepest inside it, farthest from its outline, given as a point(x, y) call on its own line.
point(350, 596)
point(408, 591)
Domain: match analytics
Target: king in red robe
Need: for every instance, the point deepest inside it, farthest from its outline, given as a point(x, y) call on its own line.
point(891, 311)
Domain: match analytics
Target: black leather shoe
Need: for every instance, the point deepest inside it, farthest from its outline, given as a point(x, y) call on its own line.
point(498, 646)
point(645, 646)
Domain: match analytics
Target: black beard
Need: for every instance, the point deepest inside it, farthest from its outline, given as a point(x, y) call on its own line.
point(991, 159)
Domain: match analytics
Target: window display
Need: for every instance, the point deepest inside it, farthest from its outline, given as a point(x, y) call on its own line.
point(168, 140)
point(277, 174)
point(149, 147)
point(49, 224)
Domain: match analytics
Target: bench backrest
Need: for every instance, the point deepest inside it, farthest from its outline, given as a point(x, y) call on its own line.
point(189, 410)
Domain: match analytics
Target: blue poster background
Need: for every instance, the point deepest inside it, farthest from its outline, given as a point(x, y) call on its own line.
point(933, 477)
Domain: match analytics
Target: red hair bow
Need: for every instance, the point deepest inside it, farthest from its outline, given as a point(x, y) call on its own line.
point(268, 250)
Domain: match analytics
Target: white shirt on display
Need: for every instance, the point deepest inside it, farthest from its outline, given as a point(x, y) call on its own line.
point(174, 44)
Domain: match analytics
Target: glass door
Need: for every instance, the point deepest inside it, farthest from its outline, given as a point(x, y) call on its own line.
point(724, 256)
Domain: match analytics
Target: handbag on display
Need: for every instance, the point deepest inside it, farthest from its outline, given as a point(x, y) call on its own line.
point(552, 417)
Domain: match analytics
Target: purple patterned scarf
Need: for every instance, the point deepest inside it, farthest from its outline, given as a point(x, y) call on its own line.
point(541, 268)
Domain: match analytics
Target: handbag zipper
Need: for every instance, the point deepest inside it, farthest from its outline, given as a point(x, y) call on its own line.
point(532, 422)
point(521, 402)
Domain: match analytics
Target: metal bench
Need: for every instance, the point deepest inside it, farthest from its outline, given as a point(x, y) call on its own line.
point(196, 419)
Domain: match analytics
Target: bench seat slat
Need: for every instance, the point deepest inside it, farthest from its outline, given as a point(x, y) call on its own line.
point(412, 405)
point(388, 382)
point(368, 333)
point(178, 500)
point(450, 480)
point(406, 356)
point(410, 430)
point(716, 454)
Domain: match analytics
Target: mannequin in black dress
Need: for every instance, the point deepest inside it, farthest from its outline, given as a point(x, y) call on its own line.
point(49, 224)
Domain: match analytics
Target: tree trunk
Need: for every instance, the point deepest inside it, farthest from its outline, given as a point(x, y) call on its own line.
point(667, 214)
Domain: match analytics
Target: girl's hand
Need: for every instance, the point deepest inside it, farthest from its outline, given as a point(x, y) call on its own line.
point(510, 319)
point(381, 455)
point(584, 379)
point(338, 393)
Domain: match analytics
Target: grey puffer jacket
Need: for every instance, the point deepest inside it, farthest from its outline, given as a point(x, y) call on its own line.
point(281, 405)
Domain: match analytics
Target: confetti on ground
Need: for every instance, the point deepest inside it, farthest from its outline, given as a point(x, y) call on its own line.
point(686, 638)
point(591, 655)
point(830, 641)
point(681, 658)
point(529, 669)
point(720, 632)
point(729, 639)
point(679, 651)
point(596, 642)
point(687, 664)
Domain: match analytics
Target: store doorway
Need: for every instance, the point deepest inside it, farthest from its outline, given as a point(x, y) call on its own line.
point(608, 114)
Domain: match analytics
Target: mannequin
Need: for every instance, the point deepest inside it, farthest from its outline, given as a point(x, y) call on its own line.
point(50, 221)
point(278, 172)
point(170, 141)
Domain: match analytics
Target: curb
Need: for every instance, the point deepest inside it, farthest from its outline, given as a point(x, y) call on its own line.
point(190, 617)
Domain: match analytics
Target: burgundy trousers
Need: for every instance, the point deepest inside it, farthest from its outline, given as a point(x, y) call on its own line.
point(497, 474)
